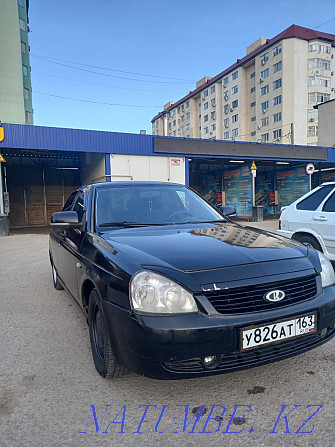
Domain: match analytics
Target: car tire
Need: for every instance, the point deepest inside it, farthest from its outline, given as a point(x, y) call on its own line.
point(306, 239)
point(103, 355)
point(55, 279)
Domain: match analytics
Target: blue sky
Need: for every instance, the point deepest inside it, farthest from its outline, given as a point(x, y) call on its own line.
point(138, 55)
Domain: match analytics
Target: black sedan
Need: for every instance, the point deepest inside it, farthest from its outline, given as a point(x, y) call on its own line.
point(172, 288)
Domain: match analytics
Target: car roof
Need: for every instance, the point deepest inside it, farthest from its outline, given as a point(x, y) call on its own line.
point(128, 183)
point(327, 184)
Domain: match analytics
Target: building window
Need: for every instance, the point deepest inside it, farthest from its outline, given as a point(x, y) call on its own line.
point(226, 122)
point(234, 75)
point(26, 93)
point(25, 70)
point(253, 75)
point(206, 129)
point(322, 64)
point(22, 25)
point(188, 115)
point(21, 3)
point(322, 81)
point(265, 90)
point(179, 131)
point(213, 115)
point(169, 125)
point(225, 80)
point(23, 48)
point(234, 133)
point(183, 128)
point(265, 121)
point(265, 105)
point(312, 131)
point(188, 126)
point(253, 133)
point(234, 104)
point(253, 104)
point(206, 118)
point(29, 117)
point(277, 84)
point(253, 89)
point(277, 50)
point(264, 73)
point(234, 118)
point(182, 118)
point(226, 135)
point(206, 93)
point(206, 105)
point(319, 48)
point(234, 89)
point(174, 122)
point(277, 134)
point(277, 67)
point(318, 97)
point(188, 104)
point(174, 133)
point(213, 102)
point(277, 100)
point(253, 118)
point(213, 89)
point(277, 117)
point(226, 95)
point(214, 126)
point(312, 115)
point(264, 58)
point(264, 137)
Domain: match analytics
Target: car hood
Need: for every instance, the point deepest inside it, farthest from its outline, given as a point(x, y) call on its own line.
point(201, 246)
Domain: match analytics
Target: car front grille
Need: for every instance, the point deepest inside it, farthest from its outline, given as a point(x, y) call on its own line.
point(250, 358)
point(251, 298)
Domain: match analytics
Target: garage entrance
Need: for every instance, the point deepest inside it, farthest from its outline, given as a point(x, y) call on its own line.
point(38, 185)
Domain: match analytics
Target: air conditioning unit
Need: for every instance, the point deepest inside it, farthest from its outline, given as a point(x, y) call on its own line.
point(224, 86)
point(211, 132)
point(214, 117)
point(311, 120)
point(226, 111)
point(213, 105)
point(264, 110)
point(263, 62)
point(258, 127)
point(226, 97)
point(332, 73)
point(231, 109)
point(203, 98)
point(226, 125)
point(261, 80)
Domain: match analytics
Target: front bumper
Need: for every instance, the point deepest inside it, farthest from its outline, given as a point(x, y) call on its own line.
point(173, 347)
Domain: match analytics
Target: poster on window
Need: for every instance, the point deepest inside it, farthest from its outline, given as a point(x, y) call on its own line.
point(291, 184)
point(238, 189)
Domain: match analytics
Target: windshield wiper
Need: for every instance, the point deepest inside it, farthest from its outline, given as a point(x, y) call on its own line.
point(128, 224)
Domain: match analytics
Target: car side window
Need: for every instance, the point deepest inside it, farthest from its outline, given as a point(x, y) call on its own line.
point(68, 204)
point(312, 202)
point(329, 206)
point(79, 206)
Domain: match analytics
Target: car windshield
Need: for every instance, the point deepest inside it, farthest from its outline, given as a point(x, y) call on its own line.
point(151, 205)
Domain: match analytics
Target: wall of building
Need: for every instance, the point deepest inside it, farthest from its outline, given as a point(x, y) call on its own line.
point(326, 135)
point(146, 168)
point(92, 168)
point(14, 108)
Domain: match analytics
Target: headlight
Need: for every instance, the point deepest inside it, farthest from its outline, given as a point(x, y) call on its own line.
point(154, 293)
point(327, 271)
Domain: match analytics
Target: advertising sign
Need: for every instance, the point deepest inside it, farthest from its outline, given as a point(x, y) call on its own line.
point(291, 185)
point(238, 188)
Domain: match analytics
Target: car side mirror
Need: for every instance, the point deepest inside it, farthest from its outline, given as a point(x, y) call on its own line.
point(65, 220)
point(228, 210)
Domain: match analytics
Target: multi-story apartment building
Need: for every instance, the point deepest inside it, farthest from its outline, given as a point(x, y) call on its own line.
point(267, 96)
point(15, 81)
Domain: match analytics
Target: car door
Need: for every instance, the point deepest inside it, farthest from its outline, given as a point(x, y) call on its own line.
point(70, 241)
point(323, 222)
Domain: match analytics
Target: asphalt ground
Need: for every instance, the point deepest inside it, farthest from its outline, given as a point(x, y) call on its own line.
point(50, 391)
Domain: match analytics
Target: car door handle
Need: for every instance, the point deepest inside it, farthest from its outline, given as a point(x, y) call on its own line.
point(320, 218)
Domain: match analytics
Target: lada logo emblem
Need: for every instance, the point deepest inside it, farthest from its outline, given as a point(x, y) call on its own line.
point(274, 296)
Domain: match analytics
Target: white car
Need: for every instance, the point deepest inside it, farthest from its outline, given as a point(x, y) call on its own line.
point(311, 219)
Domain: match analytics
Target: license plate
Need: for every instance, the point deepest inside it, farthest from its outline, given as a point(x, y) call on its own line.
point(271, 333)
